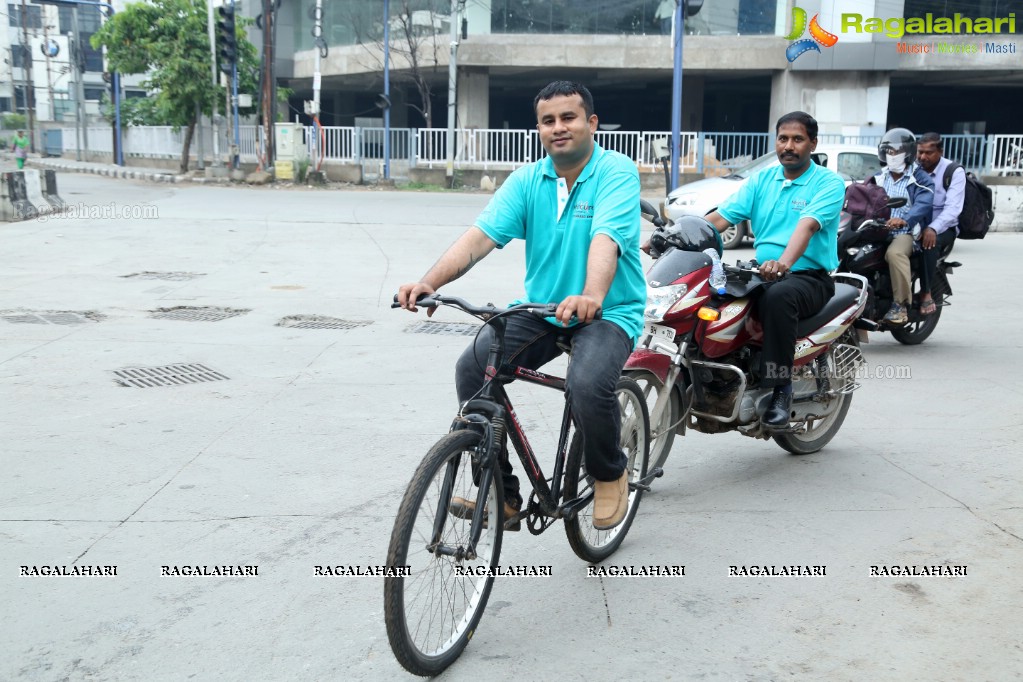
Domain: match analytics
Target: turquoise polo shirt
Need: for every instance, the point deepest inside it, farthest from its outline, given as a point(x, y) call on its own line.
point(774, 205)
point(558, 225)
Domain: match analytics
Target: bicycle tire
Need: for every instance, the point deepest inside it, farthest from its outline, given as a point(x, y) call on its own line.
point(457, 601)
point(587, 542)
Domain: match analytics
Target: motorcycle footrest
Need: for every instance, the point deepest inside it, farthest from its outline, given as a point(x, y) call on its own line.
point(864, 323)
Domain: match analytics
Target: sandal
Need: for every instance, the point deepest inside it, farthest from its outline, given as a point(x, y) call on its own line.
point(928, 307)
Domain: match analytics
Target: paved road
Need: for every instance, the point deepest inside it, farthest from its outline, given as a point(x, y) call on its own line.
point(299, 457)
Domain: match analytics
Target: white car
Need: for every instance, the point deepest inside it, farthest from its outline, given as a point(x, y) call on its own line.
point(852, 162)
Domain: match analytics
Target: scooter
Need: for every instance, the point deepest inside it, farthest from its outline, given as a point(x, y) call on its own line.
point(861, 251)
point(697, 356)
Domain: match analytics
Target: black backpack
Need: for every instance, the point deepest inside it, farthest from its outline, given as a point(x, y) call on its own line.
point(978, 211)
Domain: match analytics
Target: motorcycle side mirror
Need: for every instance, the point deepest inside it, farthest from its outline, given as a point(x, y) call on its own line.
point(650, 213)
point(896, 202)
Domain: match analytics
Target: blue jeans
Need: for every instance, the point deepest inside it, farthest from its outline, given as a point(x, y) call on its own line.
point(599, 352)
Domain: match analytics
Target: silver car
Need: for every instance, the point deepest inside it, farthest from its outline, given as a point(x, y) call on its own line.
point(853, 162)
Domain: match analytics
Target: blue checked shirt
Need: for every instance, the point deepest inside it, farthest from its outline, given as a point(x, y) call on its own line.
point(899, 188)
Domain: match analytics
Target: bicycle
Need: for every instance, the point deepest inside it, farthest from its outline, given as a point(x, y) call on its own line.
point(450, 562)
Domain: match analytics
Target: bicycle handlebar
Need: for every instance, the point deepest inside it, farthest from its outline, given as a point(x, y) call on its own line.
point(485, 311)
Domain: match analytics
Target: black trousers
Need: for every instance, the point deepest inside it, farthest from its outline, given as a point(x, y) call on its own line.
point(929, 258)
point(782, 304)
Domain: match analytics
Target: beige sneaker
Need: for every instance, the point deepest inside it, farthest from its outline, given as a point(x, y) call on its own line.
point(610, 502)
point(462, 508)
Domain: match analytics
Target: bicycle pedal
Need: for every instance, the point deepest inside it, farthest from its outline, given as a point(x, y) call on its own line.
point(514, 523)
point(639, 486)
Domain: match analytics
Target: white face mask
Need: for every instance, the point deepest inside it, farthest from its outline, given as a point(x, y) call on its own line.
point(896, 162)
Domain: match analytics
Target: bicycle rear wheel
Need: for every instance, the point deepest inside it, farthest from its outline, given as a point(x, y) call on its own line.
point(587, 542)
point(432, 613)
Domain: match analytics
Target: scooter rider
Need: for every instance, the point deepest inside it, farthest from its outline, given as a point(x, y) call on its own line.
point(902, 177)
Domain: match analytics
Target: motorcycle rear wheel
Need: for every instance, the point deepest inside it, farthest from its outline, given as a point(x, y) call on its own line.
point(813, 436)
point(920, 326)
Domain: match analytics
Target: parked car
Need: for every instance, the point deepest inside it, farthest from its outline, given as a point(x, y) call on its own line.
point(853, 162)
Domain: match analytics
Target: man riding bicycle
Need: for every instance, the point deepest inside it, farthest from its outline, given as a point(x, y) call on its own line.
point(578, 212)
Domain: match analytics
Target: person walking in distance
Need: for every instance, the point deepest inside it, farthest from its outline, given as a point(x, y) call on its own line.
point(578, 212)
point(20, 143)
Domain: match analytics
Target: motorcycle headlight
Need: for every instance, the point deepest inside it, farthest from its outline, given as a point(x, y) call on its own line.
point(660, 299)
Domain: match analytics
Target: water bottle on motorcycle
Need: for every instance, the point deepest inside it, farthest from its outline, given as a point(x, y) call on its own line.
point(718, 279)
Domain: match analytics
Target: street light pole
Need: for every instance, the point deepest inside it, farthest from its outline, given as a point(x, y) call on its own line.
point(676, 90)
point(387, 90)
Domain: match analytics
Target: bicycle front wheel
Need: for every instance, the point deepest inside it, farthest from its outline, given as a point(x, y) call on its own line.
point(432, 612)
point(587, 542)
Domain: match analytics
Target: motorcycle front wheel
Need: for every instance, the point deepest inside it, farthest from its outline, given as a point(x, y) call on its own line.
point(814, 434)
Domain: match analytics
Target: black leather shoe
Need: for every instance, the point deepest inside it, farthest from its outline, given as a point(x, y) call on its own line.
point(777, 413)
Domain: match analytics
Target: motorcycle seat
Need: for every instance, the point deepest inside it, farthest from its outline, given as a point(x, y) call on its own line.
point(845, 296)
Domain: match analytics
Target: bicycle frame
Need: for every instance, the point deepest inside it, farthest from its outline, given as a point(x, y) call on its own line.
point(496, 406)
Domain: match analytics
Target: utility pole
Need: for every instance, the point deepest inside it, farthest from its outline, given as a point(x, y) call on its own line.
point(26, 66)
point(216, 82)
point(269, 94)
point(449, 168)
point(79, 57)
point(49, 73)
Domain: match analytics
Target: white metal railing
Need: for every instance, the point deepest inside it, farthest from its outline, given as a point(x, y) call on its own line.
point(1006, 155)
point(502, 149)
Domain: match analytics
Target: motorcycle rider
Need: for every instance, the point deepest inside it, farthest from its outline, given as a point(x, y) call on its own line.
point(794, 212)
point(902, 177)
point(948, 204)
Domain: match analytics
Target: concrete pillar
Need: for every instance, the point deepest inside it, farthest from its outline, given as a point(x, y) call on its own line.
point(845, 103)
point(473, 97)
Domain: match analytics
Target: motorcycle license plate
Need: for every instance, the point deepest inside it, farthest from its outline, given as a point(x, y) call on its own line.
point(660, 331)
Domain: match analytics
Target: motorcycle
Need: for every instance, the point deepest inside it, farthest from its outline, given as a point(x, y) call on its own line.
point(861, 251)
point(695, 360)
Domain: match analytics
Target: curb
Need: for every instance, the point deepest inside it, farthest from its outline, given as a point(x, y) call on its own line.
point(113, 171)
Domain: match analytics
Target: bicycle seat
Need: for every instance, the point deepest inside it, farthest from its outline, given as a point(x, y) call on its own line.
point(564, 342)
point(845, 296)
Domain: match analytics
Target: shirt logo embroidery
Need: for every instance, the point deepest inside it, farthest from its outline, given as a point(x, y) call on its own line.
point(582, 210)
point(798, 204)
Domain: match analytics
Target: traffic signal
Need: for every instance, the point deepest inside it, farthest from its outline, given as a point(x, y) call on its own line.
point(227, 39)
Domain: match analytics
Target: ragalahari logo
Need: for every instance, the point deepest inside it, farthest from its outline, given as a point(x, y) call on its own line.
point(818, 35)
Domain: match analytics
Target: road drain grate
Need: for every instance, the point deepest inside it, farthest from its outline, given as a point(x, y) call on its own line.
point(319, 322)
point(167, 375)
point(171, 276)
point(450, 328)
point(62, 317)
point(193, 314)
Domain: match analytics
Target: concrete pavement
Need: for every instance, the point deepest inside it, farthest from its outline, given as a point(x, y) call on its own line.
point(300, 457)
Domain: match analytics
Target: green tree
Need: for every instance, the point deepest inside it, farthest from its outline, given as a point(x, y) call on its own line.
point(168, 41)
